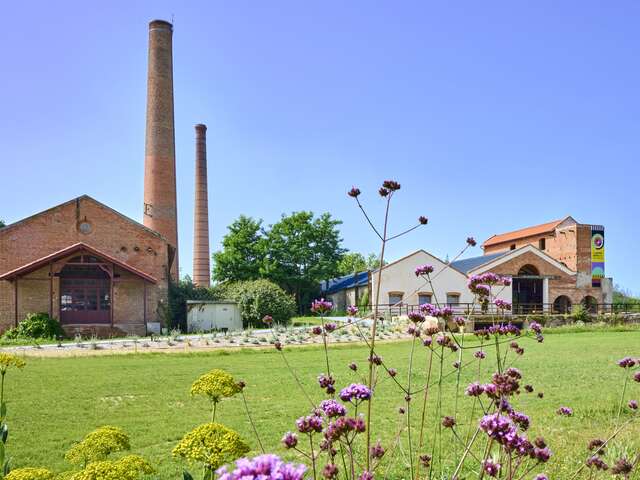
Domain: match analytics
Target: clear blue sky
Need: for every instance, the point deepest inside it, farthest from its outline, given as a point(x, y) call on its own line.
point(492, 115)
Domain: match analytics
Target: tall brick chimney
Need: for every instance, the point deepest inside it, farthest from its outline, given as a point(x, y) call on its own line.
point(160, 204)
point(201, 264)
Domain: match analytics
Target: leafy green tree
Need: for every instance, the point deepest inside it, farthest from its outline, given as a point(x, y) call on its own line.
point(242, 252)
point(2, 224)
point(302, 250)
point(352, 262)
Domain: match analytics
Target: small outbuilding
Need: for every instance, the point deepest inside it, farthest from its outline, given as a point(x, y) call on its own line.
point(207, 315)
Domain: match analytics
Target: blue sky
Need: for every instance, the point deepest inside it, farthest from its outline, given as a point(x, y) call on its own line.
point(492, 115)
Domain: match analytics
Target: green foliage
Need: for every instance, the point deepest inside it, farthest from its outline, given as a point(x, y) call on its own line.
point(174, 313)
point(302, 251)
point(97, 445)
point(35, 325)
point(579, 313)
point(257, 298)
point(212, 444)
point(623, 296)
point(242, 252)
point(352, 262)
point(297, 253)
point(2, 224)
point(363, 301)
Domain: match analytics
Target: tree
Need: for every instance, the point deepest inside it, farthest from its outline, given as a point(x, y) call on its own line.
point(301, 251)
point(242, 252)
point(352, 262)
point(2, 224)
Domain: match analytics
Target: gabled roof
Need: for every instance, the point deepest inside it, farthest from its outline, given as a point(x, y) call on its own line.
point(73, 200)
point(506, 256)
point(347, 281)
point(525, 232)
point(415, 253)
point(467, 264)
point(70, 250)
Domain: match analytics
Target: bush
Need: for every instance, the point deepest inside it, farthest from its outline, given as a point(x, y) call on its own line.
point(257, 298)
point(175, 313)
point(36, 325)
point(580, 314)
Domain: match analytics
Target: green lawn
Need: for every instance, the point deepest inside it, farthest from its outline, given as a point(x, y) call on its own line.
point(55, 401)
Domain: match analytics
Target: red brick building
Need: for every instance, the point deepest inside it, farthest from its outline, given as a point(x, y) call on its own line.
point(85, 264)
point(550, 264)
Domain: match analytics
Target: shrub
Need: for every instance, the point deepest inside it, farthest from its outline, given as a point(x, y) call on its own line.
point(257, 298)
point(580, 314)
point(36, 325)
point(174, 313)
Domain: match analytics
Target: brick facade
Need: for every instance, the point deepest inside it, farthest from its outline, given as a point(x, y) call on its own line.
point(560, 283)
point(104, 230)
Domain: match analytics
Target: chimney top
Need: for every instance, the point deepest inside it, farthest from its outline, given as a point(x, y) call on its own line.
point(201, 126)
point(160, 24)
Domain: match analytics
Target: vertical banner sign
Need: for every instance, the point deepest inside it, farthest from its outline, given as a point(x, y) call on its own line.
point(597, 254)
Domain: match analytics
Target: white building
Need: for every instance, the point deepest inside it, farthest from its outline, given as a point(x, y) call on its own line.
point(401, 286)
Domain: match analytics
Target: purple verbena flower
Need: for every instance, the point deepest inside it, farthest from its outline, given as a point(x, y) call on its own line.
point(354, 192)
point(424, 270)
point(565, 411)
point(471, 241)
point(352, 310)
point(416, 316)
point(627, 362)
point(480, 355)
point(263, 467)
point(290, 440)
point(331, 408)
point(330, 327)
point(423, 220)
point(355, 392)
point(474, 390)
point(633, 404)
point(321, 306)
point(491, 468)
point(502, 304)
point(267, 319)
point(309, 424)
point(377, 451)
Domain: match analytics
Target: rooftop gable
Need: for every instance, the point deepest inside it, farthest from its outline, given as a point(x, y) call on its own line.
point(9, 227)
point(528, 231)
point(511, 254)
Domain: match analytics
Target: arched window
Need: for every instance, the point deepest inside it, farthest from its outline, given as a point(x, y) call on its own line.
point(562, 304)
point(528, 270)
point(590, 304)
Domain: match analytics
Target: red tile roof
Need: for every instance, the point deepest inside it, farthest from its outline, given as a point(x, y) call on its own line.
point(36, 264)
point(523, 233)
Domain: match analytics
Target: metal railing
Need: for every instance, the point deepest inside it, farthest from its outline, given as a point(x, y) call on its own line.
point(394, 310)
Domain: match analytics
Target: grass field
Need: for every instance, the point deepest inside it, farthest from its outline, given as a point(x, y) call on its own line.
point(55, 401)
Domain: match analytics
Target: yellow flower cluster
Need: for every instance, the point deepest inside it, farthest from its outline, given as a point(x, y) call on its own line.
point(30, 474)
point(97, 445)
point(212, 444)
point(131, 467)
point(7, 360)
point(216, 384)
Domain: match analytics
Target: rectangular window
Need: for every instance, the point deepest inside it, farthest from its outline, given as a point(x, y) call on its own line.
point(453, 298)
point(424, 298)
point(512, 247)
point(395, 298)
point(542, 243)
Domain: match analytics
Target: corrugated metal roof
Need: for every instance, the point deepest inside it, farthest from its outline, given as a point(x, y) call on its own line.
point(467, 264)
point(347, 281)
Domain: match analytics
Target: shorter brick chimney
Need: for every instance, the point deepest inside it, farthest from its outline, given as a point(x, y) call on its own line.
point(201, 254)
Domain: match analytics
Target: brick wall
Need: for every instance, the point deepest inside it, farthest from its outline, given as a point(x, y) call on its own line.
point(560, 284)
point(58, 228)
